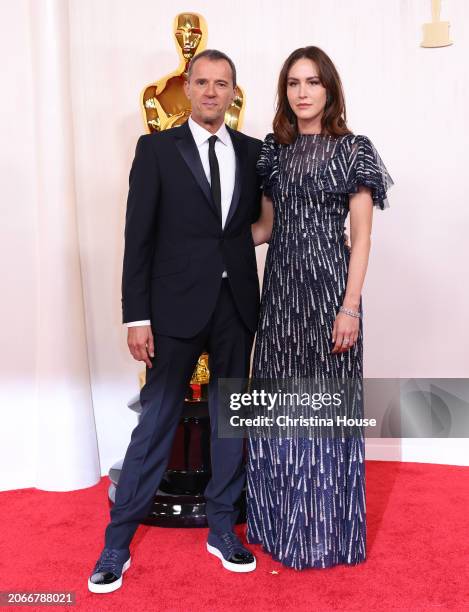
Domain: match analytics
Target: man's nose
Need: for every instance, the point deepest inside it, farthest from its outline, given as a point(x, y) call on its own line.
point(210, 90)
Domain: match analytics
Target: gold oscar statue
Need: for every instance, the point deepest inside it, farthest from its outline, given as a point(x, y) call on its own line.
point(164, 102)
point(436, 33)
point(165, 105)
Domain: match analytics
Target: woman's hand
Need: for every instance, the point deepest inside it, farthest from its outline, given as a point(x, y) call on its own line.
point(262, 228)
point(344, 332)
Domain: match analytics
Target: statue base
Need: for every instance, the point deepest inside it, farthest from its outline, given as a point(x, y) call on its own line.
point(179, 500)
point(436, 34)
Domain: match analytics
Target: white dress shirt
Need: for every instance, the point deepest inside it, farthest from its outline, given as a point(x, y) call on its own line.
point(226, 162)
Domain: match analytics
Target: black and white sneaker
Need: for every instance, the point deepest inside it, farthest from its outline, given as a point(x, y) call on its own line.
point(107, 573)
point(232, 554)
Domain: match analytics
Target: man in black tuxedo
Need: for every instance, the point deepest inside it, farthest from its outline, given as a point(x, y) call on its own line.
point(189, 284)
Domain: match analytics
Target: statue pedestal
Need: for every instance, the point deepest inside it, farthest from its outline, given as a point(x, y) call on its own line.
point(436, 34)
point(179, 500)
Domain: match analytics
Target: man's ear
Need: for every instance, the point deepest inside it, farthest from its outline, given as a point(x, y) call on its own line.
point(186, 88)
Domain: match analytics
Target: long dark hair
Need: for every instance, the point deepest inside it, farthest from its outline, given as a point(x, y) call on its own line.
point(334, 117)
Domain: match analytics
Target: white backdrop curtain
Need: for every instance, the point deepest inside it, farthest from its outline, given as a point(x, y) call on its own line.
point(72, 72)
point(61, 430)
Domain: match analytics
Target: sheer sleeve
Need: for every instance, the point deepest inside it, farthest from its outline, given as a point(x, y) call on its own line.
point(267, 164)
point(366, 168)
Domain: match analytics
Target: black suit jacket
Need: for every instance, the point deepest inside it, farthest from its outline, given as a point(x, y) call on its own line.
point(175, 247)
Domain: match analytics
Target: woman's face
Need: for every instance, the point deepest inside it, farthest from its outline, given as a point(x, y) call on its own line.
point(305, 92)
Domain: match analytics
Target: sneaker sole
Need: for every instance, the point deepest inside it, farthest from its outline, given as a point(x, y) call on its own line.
point(239, 568)
point(113, 586)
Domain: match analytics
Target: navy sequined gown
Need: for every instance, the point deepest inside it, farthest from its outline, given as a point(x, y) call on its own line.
point(306, 497)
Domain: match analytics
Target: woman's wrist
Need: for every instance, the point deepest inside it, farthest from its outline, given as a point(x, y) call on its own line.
point(351, 303)
point(351, 313)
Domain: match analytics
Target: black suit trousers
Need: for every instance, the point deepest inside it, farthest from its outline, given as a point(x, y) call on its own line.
point(229, 343)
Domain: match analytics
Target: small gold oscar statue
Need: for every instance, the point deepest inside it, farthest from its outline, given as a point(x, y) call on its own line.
point(436, 33)
point(164, 102)
point(199, 381)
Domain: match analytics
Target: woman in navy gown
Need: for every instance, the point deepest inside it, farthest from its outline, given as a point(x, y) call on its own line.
point(306, 496)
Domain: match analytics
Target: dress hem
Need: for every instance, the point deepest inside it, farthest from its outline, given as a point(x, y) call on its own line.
point(303, 566)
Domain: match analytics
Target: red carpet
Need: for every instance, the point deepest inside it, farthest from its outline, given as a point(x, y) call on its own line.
point(418, 553)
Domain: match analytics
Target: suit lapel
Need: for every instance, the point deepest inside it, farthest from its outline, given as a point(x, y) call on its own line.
point(188, 149)
point(239, 145)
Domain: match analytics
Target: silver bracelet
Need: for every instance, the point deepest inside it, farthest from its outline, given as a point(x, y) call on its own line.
point(351, 313)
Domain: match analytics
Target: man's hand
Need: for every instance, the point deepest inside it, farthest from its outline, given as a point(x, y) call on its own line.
point(140, 343)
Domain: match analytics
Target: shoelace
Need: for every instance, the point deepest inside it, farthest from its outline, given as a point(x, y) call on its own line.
point(232, 542)
point(108, 561)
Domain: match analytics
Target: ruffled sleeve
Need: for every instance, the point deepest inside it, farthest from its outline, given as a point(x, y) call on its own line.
point(367, 168)
point(267, 164)
point(358, 164)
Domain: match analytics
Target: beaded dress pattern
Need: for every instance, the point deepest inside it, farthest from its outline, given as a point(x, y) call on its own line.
point(306, 496)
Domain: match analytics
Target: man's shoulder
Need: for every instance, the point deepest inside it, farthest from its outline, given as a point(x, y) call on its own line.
point(156, 138)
